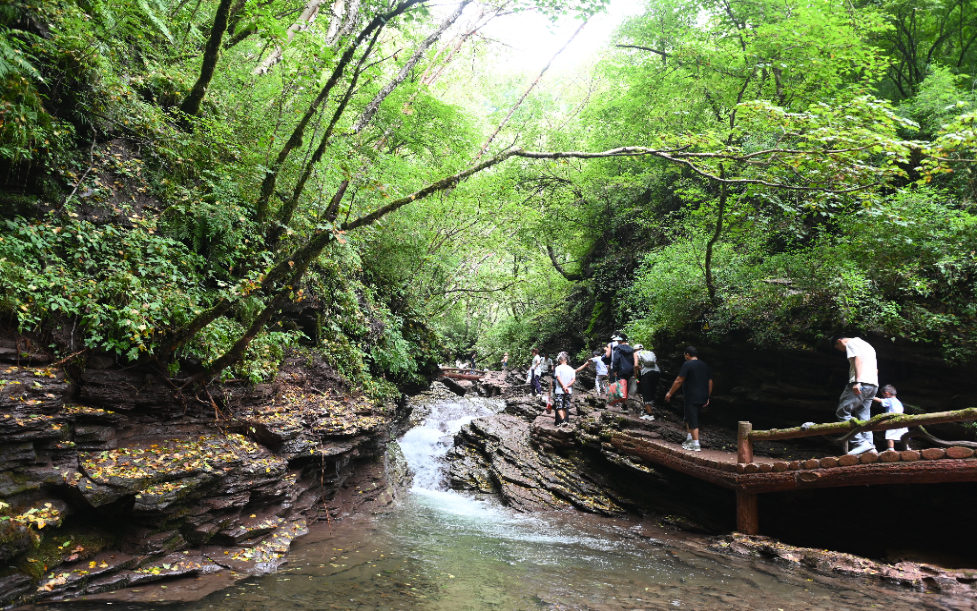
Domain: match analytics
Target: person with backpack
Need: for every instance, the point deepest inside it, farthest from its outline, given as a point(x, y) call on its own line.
point(646, 363)
point(622, 360)
point(609, 354)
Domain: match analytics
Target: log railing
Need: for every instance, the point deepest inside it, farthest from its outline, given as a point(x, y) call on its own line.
point(883, 422)
point(747, 518)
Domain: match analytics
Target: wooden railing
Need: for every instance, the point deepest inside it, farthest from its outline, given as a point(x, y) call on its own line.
point(747, 520)
point(745, 435)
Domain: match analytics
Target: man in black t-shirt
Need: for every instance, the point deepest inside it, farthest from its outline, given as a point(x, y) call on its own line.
point(697, 380)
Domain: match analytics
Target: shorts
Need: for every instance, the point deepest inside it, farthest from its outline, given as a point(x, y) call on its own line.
point(649, 384)
point(692, 414)
point(562, 401)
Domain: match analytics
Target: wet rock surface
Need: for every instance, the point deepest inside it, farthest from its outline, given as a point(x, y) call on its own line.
point(919, 576)
point(121, 480)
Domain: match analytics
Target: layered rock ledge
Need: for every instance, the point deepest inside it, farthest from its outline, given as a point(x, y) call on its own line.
point(118, 479)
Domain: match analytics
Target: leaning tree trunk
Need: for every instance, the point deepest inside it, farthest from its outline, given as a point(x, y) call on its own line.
point(720, 217)
point(191, 105)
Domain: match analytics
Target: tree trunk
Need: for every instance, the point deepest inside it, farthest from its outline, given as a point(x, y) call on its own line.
point(556, 264)
point(720, 216)
point(419, 52)
point(295, 140)
point(288, 208)
point(525, 95)
point(305, 21)
point(191, 105)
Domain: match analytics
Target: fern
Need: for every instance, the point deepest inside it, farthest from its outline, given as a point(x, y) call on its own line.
point(154, 18)
point(13, 61)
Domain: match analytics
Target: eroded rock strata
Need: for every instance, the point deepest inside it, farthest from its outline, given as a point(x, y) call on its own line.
point(116, 478)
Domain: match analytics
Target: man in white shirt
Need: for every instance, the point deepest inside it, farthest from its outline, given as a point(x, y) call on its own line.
point(563, 379)
point(863, 383)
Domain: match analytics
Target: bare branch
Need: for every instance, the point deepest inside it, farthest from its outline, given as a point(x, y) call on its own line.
point(526, 94)
point(419, 52)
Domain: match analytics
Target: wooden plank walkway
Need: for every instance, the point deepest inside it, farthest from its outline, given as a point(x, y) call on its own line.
point(760, 475)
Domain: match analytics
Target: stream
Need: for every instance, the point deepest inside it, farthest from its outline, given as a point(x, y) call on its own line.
point(440, 550)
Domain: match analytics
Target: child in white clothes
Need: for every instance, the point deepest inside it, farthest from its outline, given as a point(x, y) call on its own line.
point(892, 405)
point(563, 379)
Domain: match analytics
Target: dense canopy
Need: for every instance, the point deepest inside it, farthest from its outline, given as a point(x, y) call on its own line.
point(204, 185)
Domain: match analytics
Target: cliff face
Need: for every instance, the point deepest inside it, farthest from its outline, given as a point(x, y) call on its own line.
point(113, 477)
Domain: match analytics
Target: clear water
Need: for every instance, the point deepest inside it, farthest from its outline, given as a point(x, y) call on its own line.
point(444, 551)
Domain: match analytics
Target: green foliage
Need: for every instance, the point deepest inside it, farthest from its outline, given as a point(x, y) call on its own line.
point(846, 209)
point(123, 287)
point(264, 354)
point(902, 269)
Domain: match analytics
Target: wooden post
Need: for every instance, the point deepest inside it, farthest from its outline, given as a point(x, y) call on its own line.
point(747, 517)
point(744, 447)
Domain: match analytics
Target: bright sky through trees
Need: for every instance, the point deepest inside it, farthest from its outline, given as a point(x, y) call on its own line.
point(534, 39)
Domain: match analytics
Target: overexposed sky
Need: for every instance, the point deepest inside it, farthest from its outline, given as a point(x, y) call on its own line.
point(534, 39)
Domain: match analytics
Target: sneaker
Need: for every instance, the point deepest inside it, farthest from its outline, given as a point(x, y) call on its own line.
point(687, 444)
point(648, 417)
point(695, 448)
point(863, 448)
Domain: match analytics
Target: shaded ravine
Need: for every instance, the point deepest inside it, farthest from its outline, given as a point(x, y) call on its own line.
point(444, 550)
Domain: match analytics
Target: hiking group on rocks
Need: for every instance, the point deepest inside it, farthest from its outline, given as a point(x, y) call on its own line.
point(624, 372)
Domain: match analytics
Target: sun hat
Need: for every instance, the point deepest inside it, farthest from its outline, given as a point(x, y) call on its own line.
point(639, 347)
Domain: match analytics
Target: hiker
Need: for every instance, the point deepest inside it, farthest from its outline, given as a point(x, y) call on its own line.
point(696, 378)
point(563, 378)
point(609, 355)
point(600, 381)
point(863, 383)
point(534, 373)
point(545, 367)
point(505, 362)
point(622, 361)
point(892, 406)
point(646, 363)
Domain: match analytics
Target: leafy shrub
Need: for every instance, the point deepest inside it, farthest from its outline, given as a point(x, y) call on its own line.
point(124, 287)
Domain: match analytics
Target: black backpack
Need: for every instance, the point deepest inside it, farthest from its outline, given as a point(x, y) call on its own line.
point(625, 360)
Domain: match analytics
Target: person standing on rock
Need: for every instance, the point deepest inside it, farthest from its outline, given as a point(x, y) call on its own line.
point(696, 378)
point(646, 363)
point(534, 372)
point(600, 380)
point(622, 360)
point(863, 383)
point(609, 355)
point(505, 362)
point(563, 378)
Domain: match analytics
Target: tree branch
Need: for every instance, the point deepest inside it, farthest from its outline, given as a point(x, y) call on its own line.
point(556, 264)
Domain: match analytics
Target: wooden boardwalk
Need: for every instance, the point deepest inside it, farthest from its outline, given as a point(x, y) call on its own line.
point(757, 475)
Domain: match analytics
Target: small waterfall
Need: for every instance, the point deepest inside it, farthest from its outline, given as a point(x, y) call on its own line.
point(426, 445)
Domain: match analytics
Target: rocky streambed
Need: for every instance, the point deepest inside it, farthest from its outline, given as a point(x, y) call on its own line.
point(113, 478)
point(534, 466)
